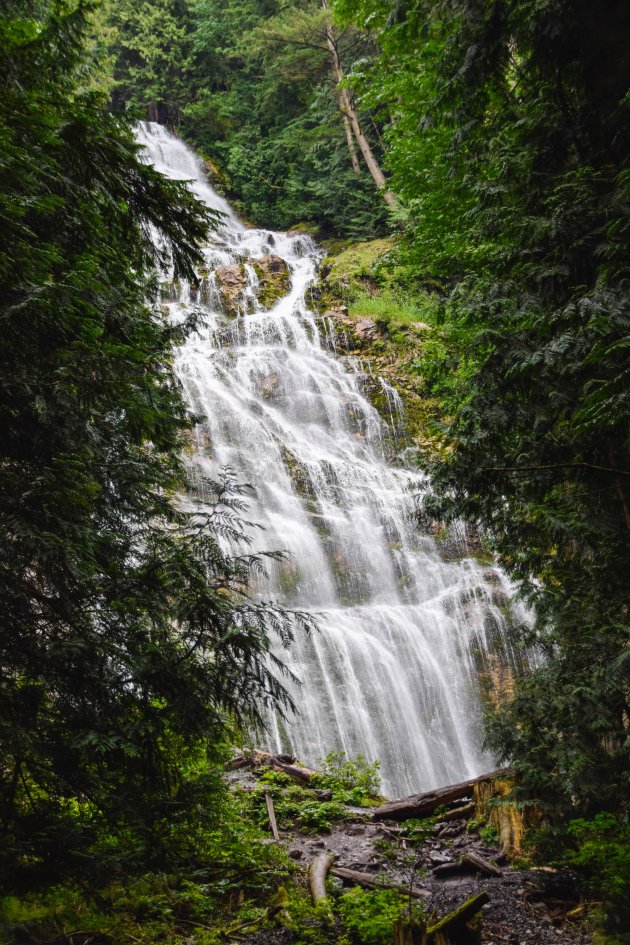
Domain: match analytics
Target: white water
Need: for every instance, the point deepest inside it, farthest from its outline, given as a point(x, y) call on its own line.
point(393, 671)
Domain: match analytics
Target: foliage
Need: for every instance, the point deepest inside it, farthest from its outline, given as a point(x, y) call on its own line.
point(249, 82)
point(368, 916)
point(510, 148)
point(128, 643)
point(351, 781)
point(601, 851)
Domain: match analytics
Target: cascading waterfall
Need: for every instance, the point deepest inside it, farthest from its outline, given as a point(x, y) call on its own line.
point(405, 636)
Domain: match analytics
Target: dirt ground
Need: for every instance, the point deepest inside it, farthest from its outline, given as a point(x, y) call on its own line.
point(525, 907)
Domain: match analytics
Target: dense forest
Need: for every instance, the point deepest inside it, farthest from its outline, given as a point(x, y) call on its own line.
point(482, 147)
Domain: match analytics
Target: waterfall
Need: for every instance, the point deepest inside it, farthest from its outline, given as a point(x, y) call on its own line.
point(406, 634)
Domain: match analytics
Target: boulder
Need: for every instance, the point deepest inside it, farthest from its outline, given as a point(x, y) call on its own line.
point(365, 329)
point(273, 278)
point(232, 280)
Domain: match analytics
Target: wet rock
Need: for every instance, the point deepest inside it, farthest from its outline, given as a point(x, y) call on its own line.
point(270, 386)
point(232, 281)
point(273, 278)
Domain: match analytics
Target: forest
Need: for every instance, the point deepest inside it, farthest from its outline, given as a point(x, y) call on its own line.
point(459, 171)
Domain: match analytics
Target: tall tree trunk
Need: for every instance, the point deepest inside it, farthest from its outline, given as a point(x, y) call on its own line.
point(354, 157)
point(351, 117)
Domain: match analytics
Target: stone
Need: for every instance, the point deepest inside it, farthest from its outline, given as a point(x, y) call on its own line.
point(273, 278)
point(438, 859)
point(365, 329)
point(324, 795)
point(232, 280)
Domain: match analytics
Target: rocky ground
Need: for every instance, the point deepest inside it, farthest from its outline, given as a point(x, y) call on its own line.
point(527, 906)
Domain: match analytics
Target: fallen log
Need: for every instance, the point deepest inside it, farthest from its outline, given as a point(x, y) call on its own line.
point(481, 864)
point(459, 927)
point(272, 817)
point(456, 813)
point(297, 772)
point(285, 764)
point(370, 881)
point(317, 873)
point(423, 805)
point(467, 861)
point(251, 760)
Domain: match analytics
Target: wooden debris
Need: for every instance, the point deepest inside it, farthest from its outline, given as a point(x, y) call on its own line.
point(456, 813)
point(372, 881)
point(282, 763)
point(468, 860)
point(459, 927)
point(297, 772)
point(481, 864)
point(410, 933)
point(272, 817)
point(423, 805)
point(317, 873)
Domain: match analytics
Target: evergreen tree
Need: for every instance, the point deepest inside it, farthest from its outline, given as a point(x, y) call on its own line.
point(127, 641)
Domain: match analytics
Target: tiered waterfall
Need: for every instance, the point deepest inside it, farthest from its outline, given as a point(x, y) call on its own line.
point(404, 636)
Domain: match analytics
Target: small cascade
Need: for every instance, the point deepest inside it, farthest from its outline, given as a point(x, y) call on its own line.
point(408, 634)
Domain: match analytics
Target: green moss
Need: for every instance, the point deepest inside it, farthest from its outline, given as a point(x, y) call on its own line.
point(273, 285)
point(356, 263)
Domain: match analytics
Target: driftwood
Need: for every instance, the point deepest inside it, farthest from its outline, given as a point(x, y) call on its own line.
point(459, 927)
point(272, 817)
point(317, 873)
point(423, 805)
point(370, 881)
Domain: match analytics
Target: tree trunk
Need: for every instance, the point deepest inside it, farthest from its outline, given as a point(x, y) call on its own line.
point(423, 805)
point(354, 158)
point(317, 873)
point(351, 119)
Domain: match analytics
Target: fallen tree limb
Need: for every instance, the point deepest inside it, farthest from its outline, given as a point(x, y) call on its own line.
point(465, 810)
point(375, 882)
point(423, 805)
point(272, 817)
point(467, 861)
point(480, 863)
point(317, 873)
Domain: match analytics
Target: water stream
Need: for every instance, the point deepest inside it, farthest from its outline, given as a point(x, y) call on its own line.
point(405, 635)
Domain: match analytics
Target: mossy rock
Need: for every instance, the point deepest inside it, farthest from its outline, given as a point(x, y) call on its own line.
point(274, 280)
